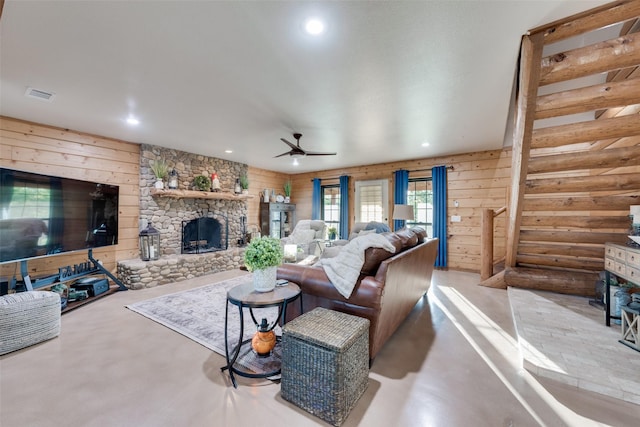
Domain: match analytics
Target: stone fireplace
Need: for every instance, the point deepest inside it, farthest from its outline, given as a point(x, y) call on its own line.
point(198, 235)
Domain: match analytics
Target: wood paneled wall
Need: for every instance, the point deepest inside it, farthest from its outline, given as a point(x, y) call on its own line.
point(478, 181)
point(60, 152)
point(259, 179)
point(575, 176)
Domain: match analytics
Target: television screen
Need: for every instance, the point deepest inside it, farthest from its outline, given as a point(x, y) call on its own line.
point(44, 215)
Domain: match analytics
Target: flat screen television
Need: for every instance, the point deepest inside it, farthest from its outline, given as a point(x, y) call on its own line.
point(43, 215)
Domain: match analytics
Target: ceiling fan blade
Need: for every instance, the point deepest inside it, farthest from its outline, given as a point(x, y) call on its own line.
point(288, 153)
point(293, 146)
point(315, 153)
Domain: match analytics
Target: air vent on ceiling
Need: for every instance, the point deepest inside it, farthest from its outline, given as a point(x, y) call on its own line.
point(39, 94)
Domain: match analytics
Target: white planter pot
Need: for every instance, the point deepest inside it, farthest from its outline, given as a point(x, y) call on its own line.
point(265, 280)
point(159, 184)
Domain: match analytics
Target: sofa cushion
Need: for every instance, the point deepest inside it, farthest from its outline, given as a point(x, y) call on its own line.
point(319, 226)
point(408, 238)
point(331, 251)
point(372, 259)
point(302, 236)
point(420, 232)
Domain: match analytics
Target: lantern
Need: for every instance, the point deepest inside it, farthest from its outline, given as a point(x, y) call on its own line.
point(149, 244)
point(173, 179)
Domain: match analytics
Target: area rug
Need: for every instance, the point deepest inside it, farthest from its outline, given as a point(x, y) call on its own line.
point(199, 314)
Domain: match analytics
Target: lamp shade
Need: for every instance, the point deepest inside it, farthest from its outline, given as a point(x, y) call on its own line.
point(403, 212)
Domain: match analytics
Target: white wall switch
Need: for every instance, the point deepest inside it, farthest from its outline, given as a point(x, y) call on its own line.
point(456, 218)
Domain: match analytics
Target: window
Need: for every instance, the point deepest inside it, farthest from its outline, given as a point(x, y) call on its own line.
point(331, 205)
point(420, 196)
point(372, 200)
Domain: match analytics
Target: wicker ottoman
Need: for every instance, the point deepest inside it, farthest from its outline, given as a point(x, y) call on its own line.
point(325, 363)
point(27, 318)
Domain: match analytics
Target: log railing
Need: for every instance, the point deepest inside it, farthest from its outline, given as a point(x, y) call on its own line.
point(486, 242)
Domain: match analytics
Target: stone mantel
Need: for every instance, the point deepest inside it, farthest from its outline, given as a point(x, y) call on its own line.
point(194, 194)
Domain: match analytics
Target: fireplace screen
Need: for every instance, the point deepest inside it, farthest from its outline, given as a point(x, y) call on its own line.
point(202, 235)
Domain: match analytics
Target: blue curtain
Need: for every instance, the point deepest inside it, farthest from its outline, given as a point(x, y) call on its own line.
point(400, 189)
point(439, 176)
point(316, 200)
point(344, 207)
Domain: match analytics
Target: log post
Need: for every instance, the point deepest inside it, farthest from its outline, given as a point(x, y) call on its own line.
point(486, 245)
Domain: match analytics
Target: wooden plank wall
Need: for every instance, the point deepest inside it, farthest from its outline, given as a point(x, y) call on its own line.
point(583, 165)
point(259, 179)
point(60, 152)
point(479, 180)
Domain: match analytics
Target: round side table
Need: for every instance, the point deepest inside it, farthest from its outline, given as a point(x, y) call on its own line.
point(244, 296)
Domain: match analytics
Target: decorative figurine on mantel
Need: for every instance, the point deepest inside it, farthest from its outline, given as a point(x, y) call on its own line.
point(215, 182)
point(173, 180)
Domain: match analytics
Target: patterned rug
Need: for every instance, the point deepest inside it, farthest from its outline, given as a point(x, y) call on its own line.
point(199, 314)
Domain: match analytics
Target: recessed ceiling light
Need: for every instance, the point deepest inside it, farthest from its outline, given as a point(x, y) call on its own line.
point(425, 144)
point(228, 151)
point(133, 121)
point(295, 162)
point(314, 26)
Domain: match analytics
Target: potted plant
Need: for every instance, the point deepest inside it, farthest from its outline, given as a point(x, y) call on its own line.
point(332, 233)
point(160, 170)
point(262, 257)
point(202, 182)
point(287, 191)
point(244, 183)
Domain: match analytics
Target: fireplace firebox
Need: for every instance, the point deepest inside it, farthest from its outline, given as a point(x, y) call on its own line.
point(205, 234)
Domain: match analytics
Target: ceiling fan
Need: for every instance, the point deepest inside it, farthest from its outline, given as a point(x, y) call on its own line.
point(297, 151)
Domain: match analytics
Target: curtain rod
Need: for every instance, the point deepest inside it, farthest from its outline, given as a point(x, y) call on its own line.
point(429, 170)
point(415, 170)
point(323, 179)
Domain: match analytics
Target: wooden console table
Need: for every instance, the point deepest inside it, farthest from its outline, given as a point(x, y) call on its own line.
point(624, 262)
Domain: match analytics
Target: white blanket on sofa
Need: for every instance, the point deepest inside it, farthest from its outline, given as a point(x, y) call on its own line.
point(343, 270)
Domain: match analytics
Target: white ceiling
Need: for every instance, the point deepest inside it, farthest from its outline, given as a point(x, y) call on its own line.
point(208, 76)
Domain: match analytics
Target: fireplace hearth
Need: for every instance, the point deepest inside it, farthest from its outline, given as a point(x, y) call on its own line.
point(205, 234)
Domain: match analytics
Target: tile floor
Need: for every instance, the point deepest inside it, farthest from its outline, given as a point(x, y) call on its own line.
point(563, 338)
point(455, 361)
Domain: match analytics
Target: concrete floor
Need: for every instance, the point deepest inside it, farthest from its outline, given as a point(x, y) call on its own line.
point(455, 361)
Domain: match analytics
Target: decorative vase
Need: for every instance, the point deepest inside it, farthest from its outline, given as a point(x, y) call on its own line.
point(264, 340)
point(265, 280)
point(245, 191)
point(159, 184)
point(287, 199)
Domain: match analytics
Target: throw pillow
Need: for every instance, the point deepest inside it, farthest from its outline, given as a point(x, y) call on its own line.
point(378, 227)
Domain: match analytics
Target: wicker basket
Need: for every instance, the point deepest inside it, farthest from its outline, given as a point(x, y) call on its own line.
point(27, 318)
point(325, 363)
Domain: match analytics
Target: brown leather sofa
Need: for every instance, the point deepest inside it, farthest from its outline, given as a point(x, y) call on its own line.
point(388, 288)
